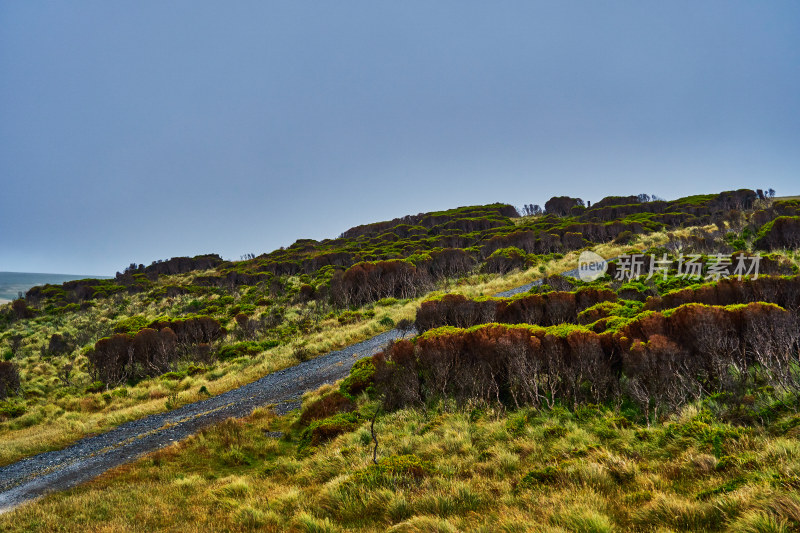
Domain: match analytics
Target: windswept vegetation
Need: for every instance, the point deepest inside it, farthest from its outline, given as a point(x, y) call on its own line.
point(624, 403)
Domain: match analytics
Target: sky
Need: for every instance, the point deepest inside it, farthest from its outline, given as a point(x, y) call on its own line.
point(137, 131)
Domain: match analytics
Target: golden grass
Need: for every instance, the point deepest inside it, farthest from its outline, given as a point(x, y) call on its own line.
point(489, 471)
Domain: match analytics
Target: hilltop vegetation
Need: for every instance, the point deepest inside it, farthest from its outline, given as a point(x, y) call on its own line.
point(626, 402)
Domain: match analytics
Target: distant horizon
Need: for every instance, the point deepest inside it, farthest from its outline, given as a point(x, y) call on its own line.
point(14, 283)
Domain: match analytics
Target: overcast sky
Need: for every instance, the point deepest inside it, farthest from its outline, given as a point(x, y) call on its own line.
point(134, 131)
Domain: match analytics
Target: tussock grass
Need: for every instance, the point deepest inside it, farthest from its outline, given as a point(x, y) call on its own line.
point(445, 468)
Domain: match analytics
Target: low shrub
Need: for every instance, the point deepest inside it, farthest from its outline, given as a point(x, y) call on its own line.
point(321, 431)
point(329, 405)
point(360, 378)
point(660, 361)
point(11, 410)
point(245, 348)
point(9, 379)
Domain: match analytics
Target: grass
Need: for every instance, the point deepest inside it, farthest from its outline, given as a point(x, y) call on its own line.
point(58, 415)
point(445, 469)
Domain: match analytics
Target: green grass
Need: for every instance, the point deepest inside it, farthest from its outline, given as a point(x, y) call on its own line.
point(447, 469)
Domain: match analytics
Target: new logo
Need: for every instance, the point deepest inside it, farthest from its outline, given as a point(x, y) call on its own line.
point(591, 266)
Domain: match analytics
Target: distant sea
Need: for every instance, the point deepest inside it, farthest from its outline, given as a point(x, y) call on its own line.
point(12, 283)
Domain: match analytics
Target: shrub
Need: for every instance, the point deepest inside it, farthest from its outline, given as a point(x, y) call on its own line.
point(306, 292)
point(110, 358)
point(783, 232)
point(301, 353)
point(552, 308)
point(496, 363)
point(327, 406)
point(404, 325)
point(242, 349)
point(659, 360)
point(783, 291)
point(369, 281)
point(453, 310)
point(193, 330)
point(321, 431)
point(561, 205)
point(59, 344)
point(506, 259)
point(152, 350)
point(11, 410)
point(21, 310)
point(131, 325)
point(9, 379)
point(361, 378)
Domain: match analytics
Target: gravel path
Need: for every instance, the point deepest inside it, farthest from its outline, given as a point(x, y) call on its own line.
point(525, 288)
point(52, 471)
point(35, 476)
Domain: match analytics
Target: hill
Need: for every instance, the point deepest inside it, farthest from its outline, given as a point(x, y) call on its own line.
point(608, 400)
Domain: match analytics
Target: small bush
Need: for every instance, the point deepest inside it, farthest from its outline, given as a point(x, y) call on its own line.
point(301, 353)
point(96, 386)
point(321, 431)
point(9, 379)
point(360, 379)
point(327, 406)
point(11, 410)
point(243, 349)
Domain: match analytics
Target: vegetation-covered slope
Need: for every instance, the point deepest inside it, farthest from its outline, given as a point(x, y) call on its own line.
point(721, 356)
